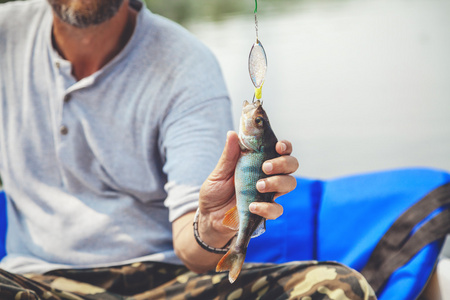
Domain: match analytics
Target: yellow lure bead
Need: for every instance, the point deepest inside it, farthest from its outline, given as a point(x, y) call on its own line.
point(258, 92)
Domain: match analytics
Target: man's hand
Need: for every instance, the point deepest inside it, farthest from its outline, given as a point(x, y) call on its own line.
point(217, 196)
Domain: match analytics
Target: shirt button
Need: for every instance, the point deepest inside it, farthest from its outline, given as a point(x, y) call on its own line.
point(57, 64)
point(63, 129)
point(67, 98)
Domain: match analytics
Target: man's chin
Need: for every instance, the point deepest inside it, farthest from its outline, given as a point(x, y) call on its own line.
point(80, 16)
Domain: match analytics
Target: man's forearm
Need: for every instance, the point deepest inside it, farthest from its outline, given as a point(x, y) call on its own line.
point(189, 251)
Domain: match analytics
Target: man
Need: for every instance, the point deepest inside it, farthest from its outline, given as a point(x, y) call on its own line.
point(111, 120)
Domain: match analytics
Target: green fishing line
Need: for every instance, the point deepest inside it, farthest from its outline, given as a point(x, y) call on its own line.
point(256, 19)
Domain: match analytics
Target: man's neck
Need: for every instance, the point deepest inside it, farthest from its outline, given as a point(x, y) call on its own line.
point(89, 49)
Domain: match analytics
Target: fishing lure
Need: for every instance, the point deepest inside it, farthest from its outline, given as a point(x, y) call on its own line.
point(257, 61)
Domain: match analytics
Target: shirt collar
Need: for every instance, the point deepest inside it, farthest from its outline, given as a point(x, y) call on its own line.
point(64, 67)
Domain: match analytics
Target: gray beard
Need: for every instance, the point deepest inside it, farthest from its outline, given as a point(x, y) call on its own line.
point(105, 10)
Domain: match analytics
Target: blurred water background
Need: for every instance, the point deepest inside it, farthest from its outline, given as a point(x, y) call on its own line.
point(356, 85)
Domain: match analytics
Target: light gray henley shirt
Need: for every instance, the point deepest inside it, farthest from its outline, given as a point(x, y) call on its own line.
point(96, 170)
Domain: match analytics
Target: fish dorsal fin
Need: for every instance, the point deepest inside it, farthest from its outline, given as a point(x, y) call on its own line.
point(261, 229)
point(231, 219)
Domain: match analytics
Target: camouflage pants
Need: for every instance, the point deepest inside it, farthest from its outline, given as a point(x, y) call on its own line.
point(152, 280)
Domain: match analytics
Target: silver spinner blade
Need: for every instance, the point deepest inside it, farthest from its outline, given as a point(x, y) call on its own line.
point(257, 64)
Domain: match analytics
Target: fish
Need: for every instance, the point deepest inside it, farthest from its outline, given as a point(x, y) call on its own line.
point(257, 142)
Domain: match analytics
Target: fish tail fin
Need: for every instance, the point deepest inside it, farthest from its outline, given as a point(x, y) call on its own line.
point(232, 261)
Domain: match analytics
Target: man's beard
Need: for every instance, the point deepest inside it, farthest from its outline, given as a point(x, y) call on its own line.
point(81, 15)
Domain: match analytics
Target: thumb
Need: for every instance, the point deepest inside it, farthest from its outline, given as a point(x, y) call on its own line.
point(227, 162)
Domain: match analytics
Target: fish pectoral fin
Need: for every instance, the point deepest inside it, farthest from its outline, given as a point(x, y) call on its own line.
point(260, 229)
point(231, 219)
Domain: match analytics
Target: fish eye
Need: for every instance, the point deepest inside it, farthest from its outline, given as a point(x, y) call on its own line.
point(259, 121)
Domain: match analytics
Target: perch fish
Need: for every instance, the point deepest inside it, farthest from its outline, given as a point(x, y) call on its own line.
point(257, 142)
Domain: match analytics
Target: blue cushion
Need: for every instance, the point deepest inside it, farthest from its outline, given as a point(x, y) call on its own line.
point(356, 211)
point(343, 219)
point(284, 240)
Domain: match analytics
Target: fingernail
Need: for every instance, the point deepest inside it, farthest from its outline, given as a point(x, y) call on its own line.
point(253, 207)
point(228, 134)
point(261, 185)
point(283, 147)
point(268, 167)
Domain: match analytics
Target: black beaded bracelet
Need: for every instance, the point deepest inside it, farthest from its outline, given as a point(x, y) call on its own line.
point(203, 244)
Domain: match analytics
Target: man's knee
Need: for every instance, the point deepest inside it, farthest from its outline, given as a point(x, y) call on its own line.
point(328, 278)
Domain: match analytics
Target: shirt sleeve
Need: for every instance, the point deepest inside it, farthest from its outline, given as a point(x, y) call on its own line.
point(193, 143)
point(193, 132)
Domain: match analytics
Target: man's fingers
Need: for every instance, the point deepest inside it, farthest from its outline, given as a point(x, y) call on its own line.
point(285, 164)
point(283, 147)
point(280, 165)
point(280, 184)
point(266, 210)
